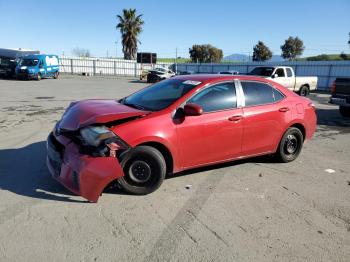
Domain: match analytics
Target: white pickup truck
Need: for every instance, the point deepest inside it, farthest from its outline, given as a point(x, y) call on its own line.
point(285, 76)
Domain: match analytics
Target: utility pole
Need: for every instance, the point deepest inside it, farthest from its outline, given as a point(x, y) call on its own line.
point(176, 60)
point(116, 49)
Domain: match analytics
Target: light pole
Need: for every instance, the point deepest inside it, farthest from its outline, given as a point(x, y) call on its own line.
point(116, 49)
point(176, 60)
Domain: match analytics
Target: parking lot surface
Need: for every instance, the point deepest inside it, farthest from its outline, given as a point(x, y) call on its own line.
point(252, 210)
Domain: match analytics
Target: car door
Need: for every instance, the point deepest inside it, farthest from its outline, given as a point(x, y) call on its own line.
point(42, 67)
point(216, 134)
point(290, 79)
point(281, 77)
point(265, 115)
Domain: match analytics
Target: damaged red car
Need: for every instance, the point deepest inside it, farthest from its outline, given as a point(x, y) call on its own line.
point(176, 124)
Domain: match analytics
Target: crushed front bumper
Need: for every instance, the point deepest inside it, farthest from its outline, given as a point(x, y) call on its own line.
point(84, 175)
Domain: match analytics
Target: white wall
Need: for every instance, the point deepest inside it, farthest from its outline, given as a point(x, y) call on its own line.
point(104, 66)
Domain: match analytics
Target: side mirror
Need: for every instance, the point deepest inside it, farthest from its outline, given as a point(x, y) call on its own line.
point(274, 76)
point(193, 110)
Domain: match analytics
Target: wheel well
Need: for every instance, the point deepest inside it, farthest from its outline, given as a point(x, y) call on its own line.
point(301, 128)
point(165, 152)
point(307, 85)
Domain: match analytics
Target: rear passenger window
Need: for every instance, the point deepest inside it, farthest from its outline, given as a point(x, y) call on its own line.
point(217, 97)
point(289, 72)
point(257, 93)
point(277, 95)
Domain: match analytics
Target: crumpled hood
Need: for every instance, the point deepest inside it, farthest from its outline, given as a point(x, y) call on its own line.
point(87, 112)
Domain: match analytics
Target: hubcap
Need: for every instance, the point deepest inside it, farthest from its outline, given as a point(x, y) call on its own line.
point(291, 144)
point(140, 171)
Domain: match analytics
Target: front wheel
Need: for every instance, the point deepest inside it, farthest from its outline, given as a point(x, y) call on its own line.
point(290, 145)
point(144, 170)
point(38, 77)
point(344, 111)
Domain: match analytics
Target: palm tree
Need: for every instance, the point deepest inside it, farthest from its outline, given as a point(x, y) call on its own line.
point(130, 26)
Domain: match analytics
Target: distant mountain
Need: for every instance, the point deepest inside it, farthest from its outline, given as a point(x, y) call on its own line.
point(237, 57)
point(246, 58)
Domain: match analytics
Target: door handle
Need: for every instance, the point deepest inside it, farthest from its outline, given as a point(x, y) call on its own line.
point(235, 118)
point(283, 109)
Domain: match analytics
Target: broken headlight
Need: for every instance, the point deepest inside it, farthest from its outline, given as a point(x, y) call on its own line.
point(94, 135)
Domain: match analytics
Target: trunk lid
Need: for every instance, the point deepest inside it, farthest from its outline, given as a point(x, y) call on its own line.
point(97, 111)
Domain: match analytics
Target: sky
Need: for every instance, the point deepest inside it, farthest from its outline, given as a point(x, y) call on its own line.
point(57, 27)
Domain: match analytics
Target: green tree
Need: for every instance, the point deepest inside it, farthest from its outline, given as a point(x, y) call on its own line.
point(205, 54)
point(261, 52)
point(130, 26)
point(292, 48)
point(344, 56)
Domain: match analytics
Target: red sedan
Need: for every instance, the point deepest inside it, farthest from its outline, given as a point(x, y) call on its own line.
point(176, 124)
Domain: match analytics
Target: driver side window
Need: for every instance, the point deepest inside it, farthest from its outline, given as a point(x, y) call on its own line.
point(217, 97)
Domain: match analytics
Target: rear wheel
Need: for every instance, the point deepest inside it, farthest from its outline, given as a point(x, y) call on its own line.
point(290, 145)
point(344, 111)
point(304, 91)
point(55, 75)
point(144, 170)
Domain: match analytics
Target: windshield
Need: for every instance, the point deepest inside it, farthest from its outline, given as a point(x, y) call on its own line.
point(262, 71)
point(160, 95)
point(29, 62)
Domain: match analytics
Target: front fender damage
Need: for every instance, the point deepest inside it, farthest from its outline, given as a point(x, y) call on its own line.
point(82, 174)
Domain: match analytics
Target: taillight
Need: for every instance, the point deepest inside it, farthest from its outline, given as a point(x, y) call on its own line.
point(333, 88)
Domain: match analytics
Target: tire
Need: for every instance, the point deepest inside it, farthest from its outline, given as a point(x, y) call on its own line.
point(344, 111)
point(38, 77)
point(144, 170)
point(290, 145)
point(55, 76)
point(304, 91)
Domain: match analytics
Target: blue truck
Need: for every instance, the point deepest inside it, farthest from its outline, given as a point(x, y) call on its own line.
point(38, 67)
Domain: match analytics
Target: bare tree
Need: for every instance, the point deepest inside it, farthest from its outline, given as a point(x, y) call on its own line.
point(81, 52)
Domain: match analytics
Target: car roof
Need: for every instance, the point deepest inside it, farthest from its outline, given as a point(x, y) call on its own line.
point(214, 78)
point(36, 56)
point(206, 78)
